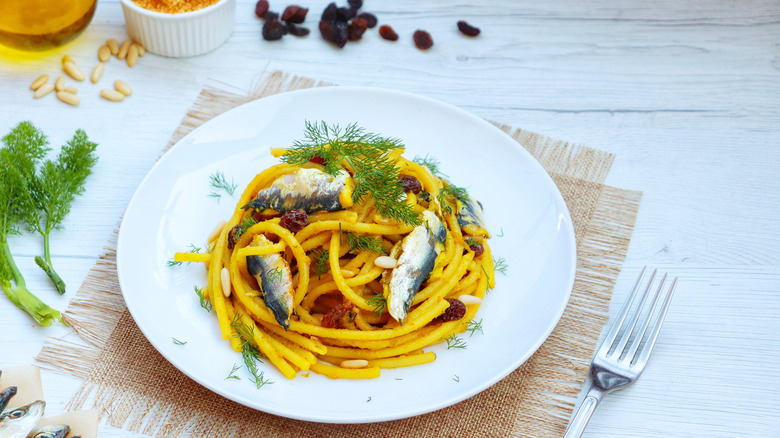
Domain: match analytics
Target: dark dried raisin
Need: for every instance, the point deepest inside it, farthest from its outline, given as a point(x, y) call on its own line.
point(317, 159)
point(468, 29)
point(273, 30)
point(410, 184)
point(355, 4)
point(271, 16)
point(294, 220)
point(261, 8)
point(388, 33)
point(297, 30)
point(477, 248)
point(370, 19)
point(334, 31)
point(329, 13)
point(345, 14)
point(453, 313)
point(233, 236)
point(357, 27)
point(340, 316)
point(423, 40)
point(294, 14)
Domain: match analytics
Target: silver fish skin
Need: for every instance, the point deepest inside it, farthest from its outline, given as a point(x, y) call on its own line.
point(274, 277)
point(419, 251)
point(470, 218)
point(18, 422)
point(311, 190)
point(50, 431)
point(6, 396)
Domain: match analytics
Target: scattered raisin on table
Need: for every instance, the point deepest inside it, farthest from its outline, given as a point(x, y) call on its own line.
point(453, 313)
point(297, 30)
point(334, 32)
point(410, 184)
point(468, 29)
point(369, 17)
point(477, 248)
point(423, 40)
point(294, 14)
point(388, 33)
point(329, 13)
point(271, 16)
point(261, 8)
point(345, 14)
point(355, 4)
point(294, 220)
point(357, 27)
point(273, 30)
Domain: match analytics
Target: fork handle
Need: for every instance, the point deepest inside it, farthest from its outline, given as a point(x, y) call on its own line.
point(584, 412)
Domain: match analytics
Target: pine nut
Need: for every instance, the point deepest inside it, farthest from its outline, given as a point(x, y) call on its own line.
point(59, 84)
point(73, 71)
point(386, 262)
point(43, 90)
point(97, 73)
point(346, 273)
point(69, 98)
point(40, 81)
point(112, 95)
point(354, 363)
point(104, 53)
point(122, 54)
point(122, 87)
point(67, 58)
point(113, 46)
point(71, 90)
point(469, 299)
point(132, 55)
point(141, 49)
point(225, 274)
point(218, 228)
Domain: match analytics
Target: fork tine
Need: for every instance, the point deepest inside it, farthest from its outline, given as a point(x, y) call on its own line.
point(640, 334)
point(648, 348)
point(609, 339)
point(626, 336)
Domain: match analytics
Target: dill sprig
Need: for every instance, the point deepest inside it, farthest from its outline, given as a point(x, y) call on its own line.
point(232, 374)
point(484, 271)
point(456, 378)
point(474, 326)
point(203, 301)
point(448, 195)
point(275, 275)
point(178, 342)
point(366, 155)
point(193, 249)
point(219, 182)
point(249, 352)
point(500, 265)
point(379, 303)
point(455, 342)
point(431, 163)
point(364, 243)
point(320, 263)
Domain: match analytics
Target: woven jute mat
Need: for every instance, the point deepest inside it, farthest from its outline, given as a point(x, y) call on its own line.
point(137, 389)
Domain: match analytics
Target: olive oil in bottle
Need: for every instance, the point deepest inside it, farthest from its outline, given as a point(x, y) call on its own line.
point(43, 24)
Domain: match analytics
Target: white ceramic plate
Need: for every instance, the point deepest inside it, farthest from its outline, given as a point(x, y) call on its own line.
point(173, 209)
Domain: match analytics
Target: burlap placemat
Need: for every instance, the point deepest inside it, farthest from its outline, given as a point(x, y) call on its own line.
point(137, 389)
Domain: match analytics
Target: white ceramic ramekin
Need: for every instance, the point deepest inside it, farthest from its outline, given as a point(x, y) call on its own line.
point(183, 34)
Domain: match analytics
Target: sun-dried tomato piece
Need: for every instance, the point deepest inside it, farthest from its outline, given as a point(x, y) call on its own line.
point(467, 29)
point(294, 220)
point(273, 30)
point(423, 40)
point(370, 19)
point(261, 8)
point(455, 312)
point(357, 27)
point(410, 184)
point(388, 33)
point(294, 14)
point(340, 316)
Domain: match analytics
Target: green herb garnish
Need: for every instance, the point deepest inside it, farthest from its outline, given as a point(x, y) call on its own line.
point(449, 195)
point(275, 275)
point(500, 265)
point(474, 326)
point(455, 342)
point(456, 378)
point(24, 147)
point(320, 261)
point(367, 155)
point(203, 301)
point(232, 374)
point(379, 303)
point(364, 243)
point(245, 224)
point(178, 342)
point(431, 163)
point(249, 352)
point(193, 249)
point(219, 182)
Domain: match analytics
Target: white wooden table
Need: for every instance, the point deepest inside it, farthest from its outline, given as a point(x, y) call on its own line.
point(685, 93)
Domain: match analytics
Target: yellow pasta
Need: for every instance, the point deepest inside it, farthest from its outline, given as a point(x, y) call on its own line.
point(302, 253)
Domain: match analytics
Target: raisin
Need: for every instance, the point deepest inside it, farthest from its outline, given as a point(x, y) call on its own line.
point(423, 40)
point(357, 27)
point(271, 16)
point(231, 237)
point(317, 159)
point(453, 313)
point(388, 33)
point(329, 13)
point(261, 8)
point(355, 4)
point(294, 220)
point(345, 14)
point(296, 30)
point(294, 14)
point(273, 30)
point(467, 29)
point(334, 31)
point(410, 184)
point(370, 19)
point(477, 248)
point(340, 316)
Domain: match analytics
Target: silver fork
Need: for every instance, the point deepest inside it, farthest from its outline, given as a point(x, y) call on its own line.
point(623, 353)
